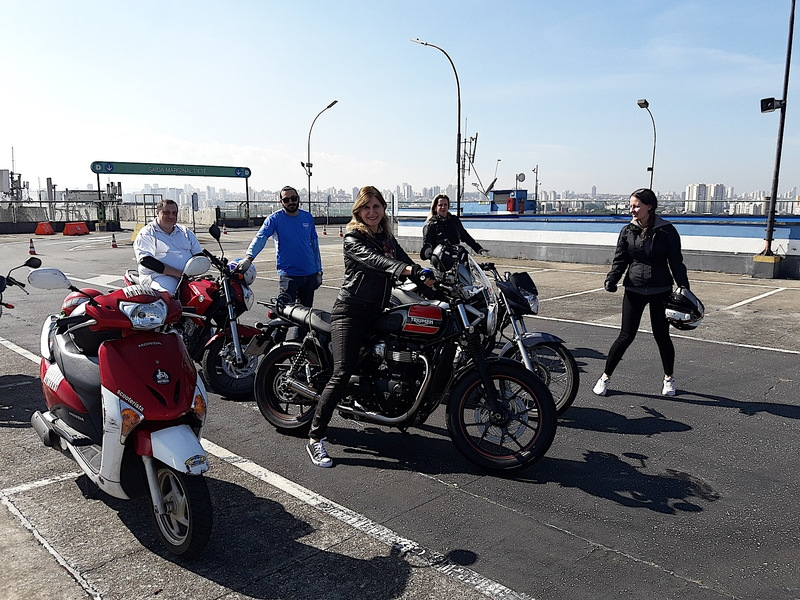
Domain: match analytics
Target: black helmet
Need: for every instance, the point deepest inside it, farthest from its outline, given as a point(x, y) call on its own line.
point(444, 257)
point(684, 310)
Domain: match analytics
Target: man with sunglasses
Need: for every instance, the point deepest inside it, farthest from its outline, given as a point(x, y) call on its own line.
point(296, 248)
point(163, 248)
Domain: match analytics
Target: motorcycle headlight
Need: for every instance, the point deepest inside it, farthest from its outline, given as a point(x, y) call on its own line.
point(248, 296)
point(145, 316)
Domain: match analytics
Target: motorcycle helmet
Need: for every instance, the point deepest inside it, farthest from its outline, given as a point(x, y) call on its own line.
point(444, 258)
point(249, 275)
point(74, 299)
point(684, 310)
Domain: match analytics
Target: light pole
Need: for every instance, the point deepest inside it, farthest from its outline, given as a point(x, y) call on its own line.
point(536, 190)
point(307, 165)
point(646, 105)
point(458, 136)
point(768, 105)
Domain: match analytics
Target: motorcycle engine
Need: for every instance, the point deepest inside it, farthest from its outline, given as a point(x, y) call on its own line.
point(394, 378)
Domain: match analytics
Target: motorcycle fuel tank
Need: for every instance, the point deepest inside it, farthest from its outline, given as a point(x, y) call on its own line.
point(423, 319)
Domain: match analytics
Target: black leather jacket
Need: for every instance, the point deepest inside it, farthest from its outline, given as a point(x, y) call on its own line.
point(651, 262)
point(448, 230)
point(368, 272)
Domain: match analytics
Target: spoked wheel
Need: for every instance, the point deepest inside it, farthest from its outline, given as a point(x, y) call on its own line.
point(556, 367)
point(223, 375)
point(517, 435)
point(285, 408)
point(185, 528)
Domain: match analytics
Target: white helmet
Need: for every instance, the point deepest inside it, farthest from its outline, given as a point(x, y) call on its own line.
point(684, 310)
point(249, 275)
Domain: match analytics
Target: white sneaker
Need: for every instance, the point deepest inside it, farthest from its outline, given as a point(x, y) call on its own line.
point(669, 387)
point(601, 387)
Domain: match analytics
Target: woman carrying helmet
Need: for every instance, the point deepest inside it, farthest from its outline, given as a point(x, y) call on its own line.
point(649, 255)
point(372, 260)
point(441, 227)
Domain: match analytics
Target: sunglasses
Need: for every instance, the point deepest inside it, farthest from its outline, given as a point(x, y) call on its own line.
point(290, 199)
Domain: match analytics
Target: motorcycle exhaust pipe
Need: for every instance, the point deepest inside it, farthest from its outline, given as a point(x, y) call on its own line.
point(302, 389)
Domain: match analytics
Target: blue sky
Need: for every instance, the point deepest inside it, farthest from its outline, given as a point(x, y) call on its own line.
point(545, 83)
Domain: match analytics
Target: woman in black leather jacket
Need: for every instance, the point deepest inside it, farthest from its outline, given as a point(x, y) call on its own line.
point(372, 260)
point(443, 228)
point(649, 255)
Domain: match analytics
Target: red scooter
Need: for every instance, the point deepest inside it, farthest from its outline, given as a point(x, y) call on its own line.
point(125, 402)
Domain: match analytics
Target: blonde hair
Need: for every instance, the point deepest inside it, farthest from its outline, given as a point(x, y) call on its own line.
point(435, 204)
point(365, 194)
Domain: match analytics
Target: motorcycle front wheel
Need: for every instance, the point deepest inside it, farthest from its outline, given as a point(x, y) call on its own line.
point(185, 528)
point(284, 408)
point(556, 367)
point(223, 375)
point(514, 437)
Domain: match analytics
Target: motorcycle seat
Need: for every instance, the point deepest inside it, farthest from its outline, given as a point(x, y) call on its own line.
point(319, 320)
point(81, 371)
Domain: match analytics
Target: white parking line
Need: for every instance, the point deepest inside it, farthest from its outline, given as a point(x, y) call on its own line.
point(753, 299)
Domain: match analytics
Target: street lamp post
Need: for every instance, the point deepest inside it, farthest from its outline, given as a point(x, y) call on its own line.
point(307, 165)
point(458, 136)
point(646, 105)
point(769, 105)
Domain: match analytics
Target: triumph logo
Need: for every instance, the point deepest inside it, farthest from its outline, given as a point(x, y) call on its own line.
point(161, 377)
point(421, 321)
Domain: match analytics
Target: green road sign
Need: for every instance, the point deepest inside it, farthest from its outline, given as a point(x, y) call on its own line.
point(128, 168)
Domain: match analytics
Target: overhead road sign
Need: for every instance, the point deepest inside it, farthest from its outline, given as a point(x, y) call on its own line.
point(129, 168)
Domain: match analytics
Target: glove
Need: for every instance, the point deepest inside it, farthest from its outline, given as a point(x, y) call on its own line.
point(610, 286)
point(244, 264)
point(319, 279)
point(425, 274)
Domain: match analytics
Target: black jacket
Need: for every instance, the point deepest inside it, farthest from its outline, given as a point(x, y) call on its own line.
point(368, 272)
point(652, 261)
point(447, 230)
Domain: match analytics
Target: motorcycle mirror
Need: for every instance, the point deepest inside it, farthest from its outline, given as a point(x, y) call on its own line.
point(34, 262)
point(214, 231)
point(2, 284)
point(49, 279)
point(197, 265)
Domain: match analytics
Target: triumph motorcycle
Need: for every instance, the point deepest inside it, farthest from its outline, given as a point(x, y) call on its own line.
point(210, 325)
point(499, 415)
point(125, 402)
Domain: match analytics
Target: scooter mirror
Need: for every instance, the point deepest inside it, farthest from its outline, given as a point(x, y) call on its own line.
point(48, 279)
point(197, 265)
point(34, 262)
point(214, 231)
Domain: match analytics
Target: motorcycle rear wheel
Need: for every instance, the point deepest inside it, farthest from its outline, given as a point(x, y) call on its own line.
point(222, 374)
point(184, 530)
point(554, 364)
point(502, 442)
point(285, 409)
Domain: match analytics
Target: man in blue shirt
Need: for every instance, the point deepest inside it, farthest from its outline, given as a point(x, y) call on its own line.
point(296, 248)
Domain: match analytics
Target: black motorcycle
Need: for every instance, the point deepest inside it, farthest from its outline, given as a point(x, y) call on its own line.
point(419, 355)
point(33, 262)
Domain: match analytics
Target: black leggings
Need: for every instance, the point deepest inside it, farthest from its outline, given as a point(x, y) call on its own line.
point(633, 305)
point(350, 326)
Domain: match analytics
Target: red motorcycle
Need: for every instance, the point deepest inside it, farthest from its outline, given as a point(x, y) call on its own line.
point(125, 402)
point(210, 328)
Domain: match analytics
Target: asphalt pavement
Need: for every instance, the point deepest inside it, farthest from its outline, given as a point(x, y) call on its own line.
point(640, 496)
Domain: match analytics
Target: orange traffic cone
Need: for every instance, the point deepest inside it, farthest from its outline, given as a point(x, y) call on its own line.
point(32, 250)
point(340, 231)
point(224, 229)
point(324, 231)
point(114, 241)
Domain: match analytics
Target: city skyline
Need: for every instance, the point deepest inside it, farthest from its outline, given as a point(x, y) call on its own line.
point(551, 87)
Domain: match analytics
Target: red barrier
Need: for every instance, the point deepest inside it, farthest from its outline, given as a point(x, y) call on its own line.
point(44, 228)
point(75, 229)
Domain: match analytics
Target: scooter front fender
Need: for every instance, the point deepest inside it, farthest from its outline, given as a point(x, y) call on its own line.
point(178, 447)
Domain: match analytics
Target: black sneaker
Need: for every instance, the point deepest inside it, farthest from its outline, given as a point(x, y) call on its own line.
point(316, 450)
